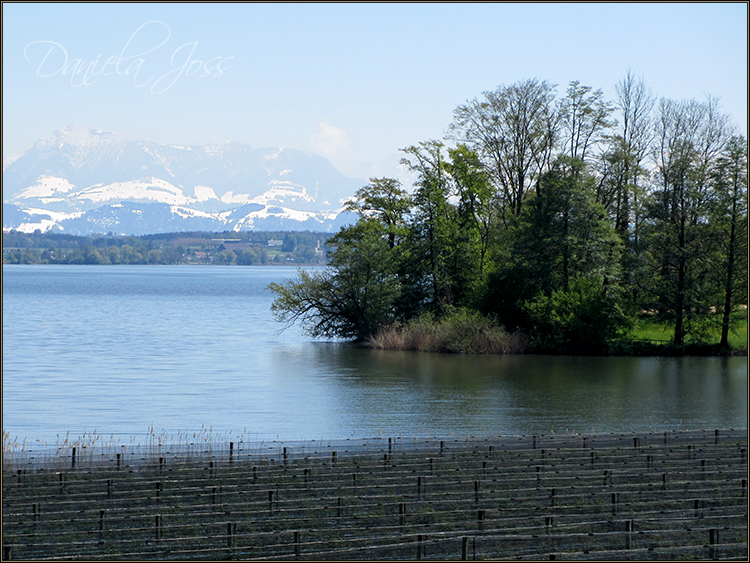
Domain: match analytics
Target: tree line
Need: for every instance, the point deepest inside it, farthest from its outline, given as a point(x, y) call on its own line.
point(566, 219)
point(226, 248)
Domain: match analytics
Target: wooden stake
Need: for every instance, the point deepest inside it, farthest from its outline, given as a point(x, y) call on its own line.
point(629, 537)
point(101, 525)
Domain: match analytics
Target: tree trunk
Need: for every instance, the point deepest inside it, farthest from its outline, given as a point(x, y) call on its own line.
point(679, 328)
point(730, 277)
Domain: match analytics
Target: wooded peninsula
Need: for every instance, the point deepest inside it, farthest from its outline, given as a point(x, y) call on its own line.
point(572, 225)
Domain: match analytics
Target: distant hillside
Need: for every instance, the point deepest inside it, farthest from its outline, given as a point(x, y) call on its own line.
point(85, 181)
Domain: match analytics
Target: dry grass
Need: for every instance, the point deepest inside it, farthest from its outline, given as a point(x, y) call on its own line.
point(459, 333)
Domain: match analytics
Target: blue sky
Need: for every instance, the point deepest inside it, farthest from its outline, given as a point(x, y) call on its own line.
point(352, 82)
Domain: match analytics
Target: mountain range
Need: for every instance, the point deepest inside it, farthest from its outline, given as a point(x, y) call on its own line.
point(84, 181)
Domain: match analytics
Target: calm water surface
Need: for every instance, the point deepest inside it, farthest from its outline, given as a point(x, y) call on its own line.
point(121, 349)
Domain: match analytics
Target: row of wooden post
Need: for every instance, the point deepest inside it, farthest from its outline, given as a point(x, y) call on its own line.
point(636, 444)
point(232, 529)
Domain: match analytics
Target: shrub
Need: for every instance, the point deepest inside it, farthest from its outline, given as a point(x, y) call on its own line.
point(586, 318)
point(459, 332)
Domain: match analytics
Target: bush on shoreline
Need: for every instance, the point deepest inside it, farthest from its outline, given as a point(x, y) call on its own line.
point(466, 332)
point(460, 332)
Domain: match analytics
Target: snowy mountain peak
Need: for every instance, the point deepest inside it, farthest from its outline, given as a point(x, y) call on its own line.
point(76, 135)
point(77, 171)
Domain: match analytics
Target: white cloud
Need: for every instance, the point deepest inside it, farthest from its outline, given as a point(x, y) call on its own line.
point(333, 143)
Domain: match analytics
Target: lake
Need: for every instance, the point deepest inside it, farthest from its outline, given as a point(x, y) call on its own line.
point(186, 350)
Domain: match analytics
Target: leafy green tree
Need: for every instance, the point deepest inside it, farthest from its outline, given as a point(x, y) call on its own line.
point(225, 257)
point(476, 209)
point(562, 236)
point(431, 260)
point(246, 257)
point(564, 233)
point(115, 257)
point(584, 318)
point(94, 256)
point(385, 200)
point(690, 136)
point(354, 297)
point(730, 218)
point(290, 243)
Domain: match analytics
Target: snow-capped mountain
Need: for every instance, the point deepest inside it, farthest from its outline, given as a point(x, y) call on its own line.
point(84, 181)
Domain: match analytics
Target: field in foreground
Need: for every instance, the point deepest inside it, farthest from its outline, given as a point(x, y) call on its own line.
point(671, 495)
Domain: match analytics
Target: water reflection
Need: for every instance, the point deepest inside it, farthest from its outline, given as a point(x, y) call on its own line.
point(521, 394)
point(121, 349)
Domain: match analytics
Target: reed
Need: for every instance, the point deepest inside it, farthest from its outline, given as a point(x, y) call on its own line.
point(460, 332)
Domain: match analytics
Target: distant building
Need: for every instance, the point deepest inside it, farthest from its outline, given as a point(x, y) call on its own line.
point(275, 242)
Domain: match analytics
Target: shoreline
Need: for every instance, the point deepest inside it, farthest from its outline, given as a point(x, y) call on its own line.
point(83, 456)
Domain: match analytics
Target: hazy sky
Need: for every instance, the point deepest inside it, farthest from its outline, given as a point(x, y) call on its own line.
point(352, 82)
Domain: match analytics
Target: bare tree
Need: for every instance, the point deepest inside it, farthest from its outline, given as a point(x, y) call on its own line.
point(630, 147)
point(584, 117)
point(513, 129)
point(690, 136)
